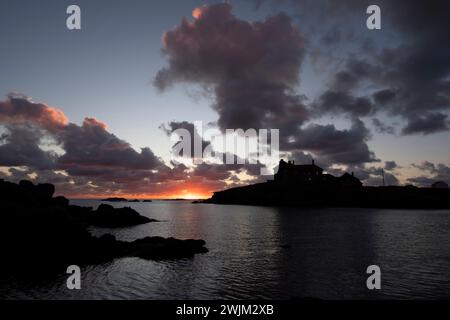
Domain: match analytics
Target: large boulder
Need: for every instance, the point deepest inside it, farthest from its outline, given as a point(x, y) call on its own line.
point(45, 191)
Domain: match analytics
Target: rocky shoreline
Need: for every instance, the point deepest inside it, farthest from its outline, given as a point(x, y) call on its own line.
point(49, 234)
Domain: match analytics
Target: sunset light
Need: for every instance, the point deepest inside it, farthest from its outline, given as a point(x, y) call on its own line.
point(264, 151)
point(197, 13)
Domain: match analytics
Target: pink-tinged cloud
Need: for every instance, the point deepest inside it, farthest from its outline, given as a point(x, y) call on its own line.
point(95, 162)
point(94, 122)
point(19, 109)
point(252, 67)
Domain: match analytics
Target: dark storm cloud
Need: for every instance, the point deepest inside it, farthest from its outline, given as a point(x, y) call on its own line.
point(385, 96)
point(413, 77)
point(92, 145)
point(340, 98)
point(341, 102)
point(336, 146)
point(20, 147)
point(419, 71)
point(427, 124)
point(390, 165)
point(251, 66)
point(172, 126)
point(381, 127)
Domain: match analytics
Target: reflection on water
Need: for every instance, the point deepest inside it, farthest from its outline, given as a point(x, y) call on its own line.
point(271, 253)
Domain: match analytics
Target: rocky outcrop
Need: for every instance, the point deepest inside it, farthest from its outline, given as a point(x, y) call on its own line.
point(47, 234)
point(108, 216)
point(155, 248)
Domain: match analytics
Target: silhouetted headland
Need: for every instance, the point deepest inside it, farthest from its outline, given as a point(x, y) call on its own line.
point(46, 233)
point(308, 186)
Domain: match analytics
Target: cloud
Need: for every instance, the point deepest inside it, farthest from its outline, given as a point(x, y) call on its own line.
point(91, 145)
point(406, 72)
point(380, 127)
point(390, 165)
point(427, 124)
point(19, 109)
point(335, 146)
point(89, 155)
point(252, 67)
point(341, 102)
point(93, 161)
point(189, 127)
point(20, 147)
point(384, 96)
point(431, 173)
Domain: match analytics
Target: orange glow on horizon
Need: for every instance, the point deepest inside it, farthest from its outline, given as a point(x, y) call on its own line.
point(188, 194)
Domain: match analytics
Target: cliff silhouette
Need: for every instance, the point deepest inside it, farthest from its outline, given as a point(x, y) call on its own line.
point(307, 186)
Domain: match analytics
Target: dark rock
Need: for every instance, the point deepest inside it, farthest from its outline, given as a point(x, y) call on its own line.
point(52, 235)
point(115, 200)
point(45, 191)
point(60, 201)
point(147, 200)
point(161, 248)
point(108, 216)
point(135, 200)
point(26, 185)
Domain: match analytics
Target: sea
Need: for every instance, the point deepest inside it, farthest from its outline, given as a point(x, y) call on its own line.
point(270, 253)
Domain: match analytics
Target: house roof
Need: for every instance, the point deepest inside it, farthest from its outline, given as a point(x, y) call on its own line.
point(306, 167)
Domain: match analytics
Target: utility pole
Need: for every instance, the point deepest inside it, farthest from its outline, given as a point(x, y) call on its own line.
point(382, 174)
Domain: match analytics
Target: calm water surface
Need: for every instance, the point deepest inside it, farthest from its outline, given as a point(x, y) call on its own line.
point(272, 253)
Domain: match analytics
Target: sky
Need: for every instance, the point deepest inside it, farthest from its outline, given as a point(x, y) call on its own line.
point(91, 110)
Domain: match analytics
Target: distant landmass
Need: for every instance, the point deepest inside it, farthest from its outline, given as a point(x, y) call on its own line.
point(123, 200)
point(307, 186)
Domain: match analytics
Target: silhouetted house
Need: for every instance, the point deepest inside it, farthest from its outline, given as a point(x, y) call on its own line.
point(349, 181)
point(304, 174)
point(292, 173)
point(439, 185)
